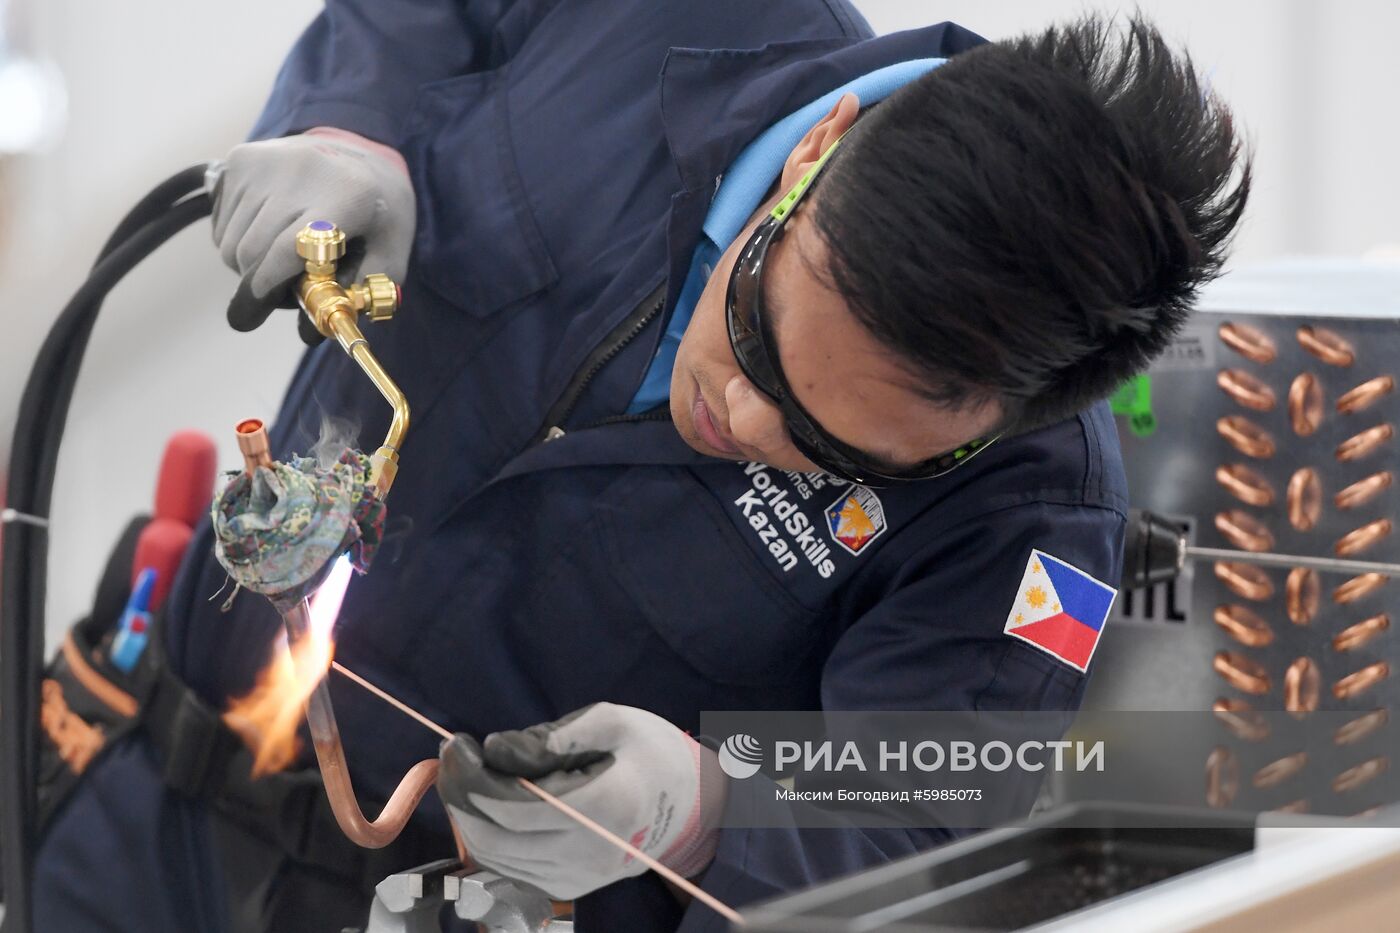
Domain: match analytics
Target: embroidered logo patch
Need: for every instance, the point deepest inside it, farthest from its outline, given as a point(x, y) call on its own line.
point(855, 519)
point(1060, 609)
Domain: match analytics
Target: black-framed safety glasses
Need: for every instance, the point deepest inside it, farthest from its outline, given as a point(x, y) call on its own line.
point(754, 348)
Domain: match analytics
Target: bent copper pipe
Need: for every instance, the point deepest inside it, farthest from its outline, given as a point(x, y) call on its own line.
point(1222, 777)
point(1242, 673)
point(1361, 681)
point(1365, 395)
point(1363, 491)
point(1249, 342)
point(1365, 443)
point(1303, 593)
point(1354, 777)
point(1304, 498)
point(1360, 539)
point(1280, 770)
point(1244, 531)
point(1241, 719)
point(1244, 580)
point(1305, 404)
point(1244, 626)
point(1353, 637)
point(1327, 345)
point(1246, 436)
point(1245, 484)
point(1352, 732)
point(330, 755)
point(1359, 587)
point(1302, 686)
point(1250, 391)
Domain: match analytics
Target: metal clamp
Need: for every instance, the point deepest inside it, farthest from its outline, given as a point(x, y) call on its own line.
point(410, 902)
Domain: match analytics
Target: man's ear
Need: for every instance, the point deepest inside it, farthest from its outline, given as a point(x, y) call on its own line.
point(819, 139)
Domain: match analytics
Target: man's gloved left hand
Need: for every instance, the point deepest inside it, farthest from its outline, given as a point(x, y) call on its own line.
point(626, 768)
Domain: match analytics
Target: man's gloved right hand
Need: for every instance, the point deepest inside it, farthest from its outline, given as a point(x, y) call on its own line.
point(272, 188)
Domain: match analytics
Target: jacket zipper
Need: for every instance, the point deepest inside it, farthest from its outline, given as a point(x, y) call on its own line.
point(620, 336)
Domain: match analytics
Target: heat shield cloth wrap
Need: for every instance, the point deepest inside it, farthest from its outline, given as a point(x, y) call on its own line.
point(277, 531)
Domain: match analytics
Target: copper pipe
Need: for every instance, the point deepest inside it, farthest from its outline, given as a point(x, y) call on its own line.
point(1302, 593)
point(1241, 719)
point(1353, 637)
point(1297, 806)
point(330, 755)
point(1327, 345)
point(1244, 531)
point(1304, 499)
point(1363, 491)
point(1250, 391)
point(1363, 538)
point(1276, 772)
point(1302, 686)
point(1365, 443)
point(1241, 672)
point(1352, 732)
point(1244, 581)
point(1359, 588)
point(1305, 404)
point(1246, 436)
point(1245, 484)
point(1364, 773)
point(252, 443)
point(1222, 777)
point(1365, 395)
point(1361, 681)
point(1249, 342)
point(1244, 626)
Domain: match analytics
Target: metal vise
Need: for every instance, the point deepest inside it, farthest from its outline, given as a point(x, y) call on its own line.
point(411, 902)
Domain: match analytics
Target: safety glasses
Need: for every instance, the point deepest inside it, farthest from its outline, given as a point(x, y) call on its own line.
point(757, 354)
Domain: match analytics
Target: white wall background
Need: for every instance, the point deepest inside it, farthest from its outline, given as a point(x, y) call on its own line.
point(158, 84)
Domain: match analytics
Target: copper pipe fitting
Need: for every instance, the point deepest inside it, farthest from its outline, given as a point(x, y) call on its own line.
point(1302, 593)
point(1359, 588)
point(1249, 342)
point(1244, 626)
point(1365, 395)
point(1361, 681)
point(1305, 404)
point(1304, 498)
point(1327, 345)
point(1222, 777)
point(1350, 733)
point(1302, 686)
point(1365, 443)
point(1364, 773)
point(1363, 491)
point(1241, 719)
point(1248, 390)
point(1246, 436)
point(1353, 637)
point(1242, 673)
point(1276, 772)
point(1245, 484)
point(1244, 580)
point(1363, 538)
point(252, 443)
point(1244, 531)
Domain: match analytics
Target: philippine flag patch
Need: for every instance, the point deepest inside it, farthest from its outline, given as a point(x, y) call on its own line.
point(1060, 609)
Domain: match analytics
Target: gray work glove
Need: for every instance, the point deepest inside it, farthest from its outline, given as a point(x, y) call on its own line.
point(271, 189)
point(625, 768)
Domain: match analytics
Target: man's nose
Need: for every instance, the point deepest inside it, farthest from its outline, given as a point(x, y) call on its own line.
point(754, 420)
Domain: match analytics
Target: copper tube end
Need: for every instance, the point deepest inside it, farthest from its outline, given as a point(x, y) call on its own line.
point(1242, 673)
point(1363, 538)
point(1365, 395)
point(1222, 777)
point(1364, 773)
point(1276, 772)
point(1358, 588)
point(1244, 580)
point(1353, 637)
point(1246, 389)
point(1304, 499)
point(1352, 732)
point(1246, 436)
point(1302, 686)
point(1244, 626)
point(1245, 484)
point(1365, 443)
point(1241, 719)
point(1305, 404)
point(1327, 345)
point(1244, 531)
point(1363, 491)
point(252, 443)
point(1302, 593)
point(1249, 342)
point(1361, 681)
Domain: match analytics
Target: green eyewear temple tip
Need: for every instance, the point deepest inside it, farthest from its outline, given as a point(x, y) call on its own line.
point(789, 201)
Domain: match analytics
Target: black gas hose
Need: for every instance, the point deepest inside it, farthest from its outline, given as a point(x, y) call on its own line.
point(43, 413)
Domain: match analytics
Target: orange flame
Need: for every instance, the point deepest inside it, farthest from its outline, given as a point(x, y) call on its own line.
point(268, 716)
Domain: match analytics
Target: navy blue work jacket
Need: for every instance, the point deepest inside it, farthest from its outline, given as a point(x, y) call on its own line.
point(564, 156)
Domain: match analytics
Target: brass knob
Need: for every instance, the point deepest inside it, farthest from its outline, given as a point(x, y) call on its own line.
point(321, 241)
point(381, 297)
